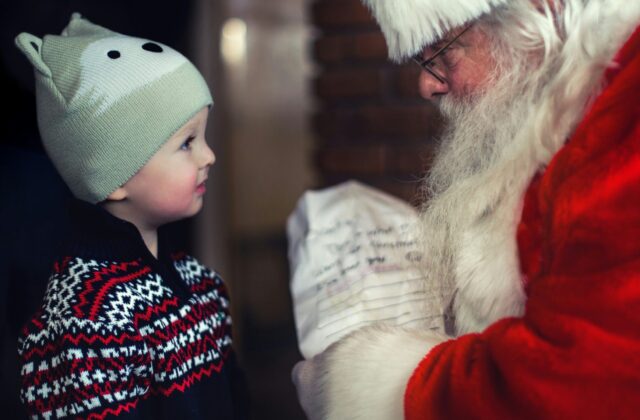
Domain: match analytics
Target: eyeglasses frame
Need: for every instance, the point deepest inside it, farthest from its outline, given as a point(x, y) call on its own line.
point(427, 64)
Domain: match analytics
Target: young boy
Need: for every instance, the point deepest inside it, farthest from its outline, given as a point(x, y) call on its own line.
point(128, 328)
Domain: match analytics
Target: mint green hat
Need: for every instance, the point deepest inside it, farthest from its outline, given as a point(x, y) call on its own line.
point(107, 102)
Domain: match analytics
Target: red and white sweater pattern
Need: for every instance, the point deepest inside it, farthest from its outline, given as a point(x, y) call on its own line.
point(111, 333)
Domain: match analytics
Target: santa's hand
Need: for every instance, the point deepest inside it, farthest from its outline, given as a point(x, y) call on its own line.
point(306, 378)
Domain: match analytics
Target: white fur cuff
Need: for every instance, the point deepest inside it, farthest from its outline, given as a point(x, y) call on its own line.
point(368, 371)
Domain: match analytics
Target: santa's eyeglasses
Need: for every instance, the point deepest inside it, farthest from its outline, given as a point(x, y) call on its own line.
point(431, 64)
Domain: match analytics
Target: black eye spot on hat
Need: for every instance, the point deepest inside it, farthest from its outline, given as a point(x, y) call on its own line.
point(35, 46)
point(113, 54)
point(152, 46)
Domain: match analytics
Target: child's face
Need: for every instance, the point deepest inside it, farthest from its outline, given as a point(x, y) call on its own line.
point(171, 185)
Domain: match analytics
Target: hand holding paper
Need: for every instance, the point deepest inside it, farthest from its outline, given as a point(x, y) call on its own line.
point(356, 260)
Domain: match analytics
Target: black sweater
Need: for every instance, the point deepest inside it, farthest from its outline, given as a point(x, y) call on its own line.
point(121, 333)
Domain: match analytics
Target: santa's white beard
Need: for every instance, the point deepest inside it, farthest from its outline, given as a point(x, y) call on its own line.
point(473, 194)
point(549, 68)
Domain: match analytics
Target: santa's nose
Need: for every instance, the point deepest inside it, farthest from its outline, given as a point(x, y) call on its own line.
point(431, 88)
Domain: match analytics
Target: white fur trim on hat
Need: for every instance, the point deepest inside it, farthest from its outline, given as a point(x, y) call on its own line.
point(409, 25)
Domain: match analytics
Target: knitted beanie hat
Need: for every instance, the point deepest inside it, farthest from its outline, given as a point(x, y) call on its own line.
point(107, 102)
point(409, 25)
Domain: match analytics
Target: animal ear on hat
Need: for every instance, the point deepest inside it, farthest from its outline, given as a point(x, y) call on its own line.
point(79, 26)
point(31, 46)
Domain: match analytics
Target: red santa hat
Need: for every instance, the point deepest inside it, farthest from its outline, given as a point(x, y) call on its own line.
point(409, 25)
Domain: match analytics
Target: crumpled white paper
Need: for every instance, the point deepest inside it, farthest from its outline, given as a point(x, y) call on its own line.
point(355, 260)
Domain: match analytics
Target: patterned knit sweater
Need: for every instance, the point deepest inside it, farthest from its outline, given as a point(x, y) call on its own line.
point(121, 333)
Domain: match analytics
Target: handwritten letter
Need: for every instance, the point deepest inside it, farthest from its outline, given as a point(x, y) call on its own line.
point(356, 260)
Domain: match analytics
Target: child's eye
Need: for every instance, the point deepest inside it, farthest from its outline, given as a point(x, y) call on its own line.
point(187, 143)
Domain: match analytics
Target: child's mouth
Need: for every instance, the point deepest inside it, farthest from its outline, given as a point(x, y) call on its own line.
point(201, 188)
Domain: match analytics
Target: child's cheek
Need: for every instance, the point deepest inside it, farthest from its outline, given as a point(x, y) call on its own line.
point(181, 195)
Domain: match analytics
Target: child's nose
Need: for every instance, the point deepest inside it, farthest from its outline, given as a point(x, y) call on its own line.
point(208, 157)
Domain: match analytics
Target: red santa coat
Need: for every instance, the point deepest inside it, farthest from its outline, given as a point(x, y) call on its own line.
point(576, 351)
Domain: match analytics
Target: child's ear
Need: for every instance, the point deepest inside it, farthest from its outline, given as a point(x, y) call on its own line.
point(31, 46)
point(118, 195)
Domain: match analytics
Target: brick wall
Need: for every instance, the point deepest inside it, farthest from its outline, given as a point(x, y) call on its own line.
point(370, 122)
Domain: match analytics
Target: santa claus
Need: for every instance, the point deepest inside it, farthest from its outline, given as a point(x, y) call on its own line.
point(533, 217)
